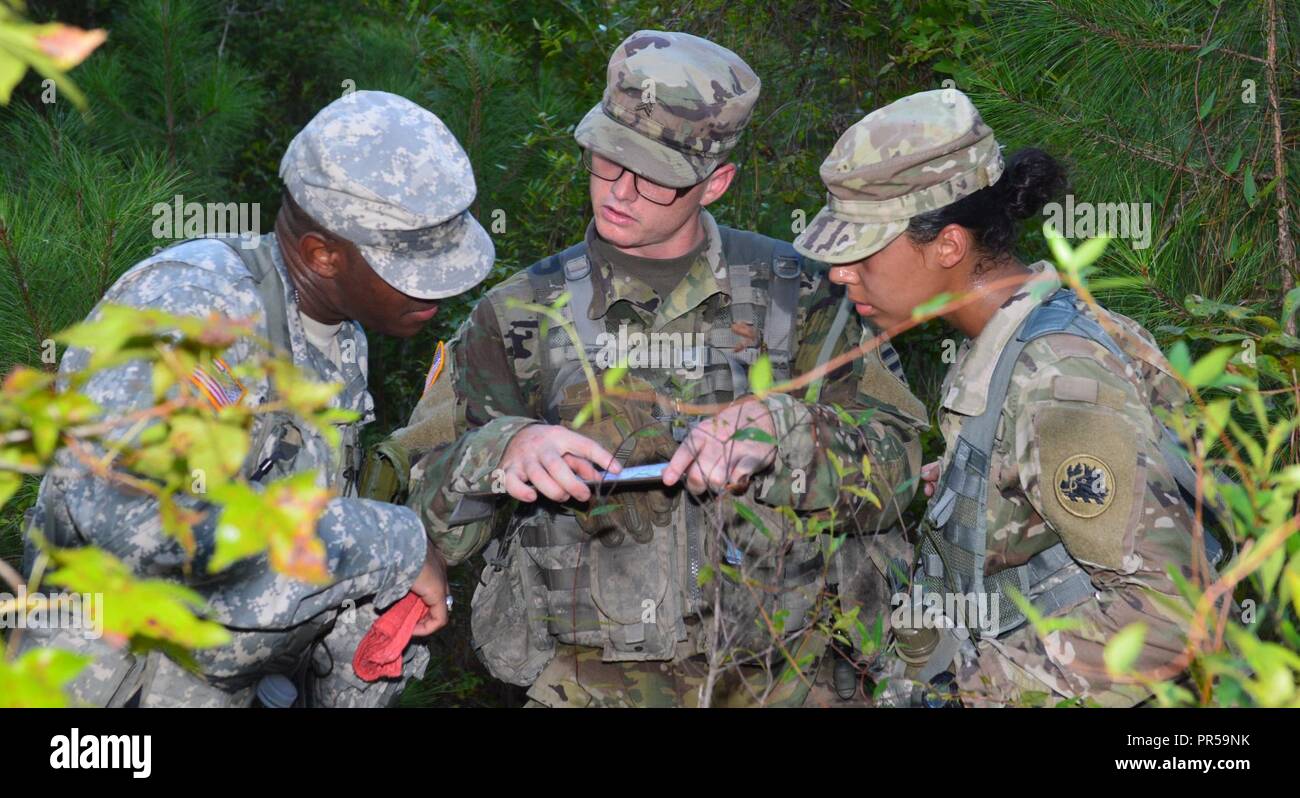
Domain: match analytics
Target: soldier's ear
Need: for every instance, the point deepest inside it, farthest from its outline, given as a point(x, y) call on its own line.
point(716, 184)
point(323, 257)
point(952, 245)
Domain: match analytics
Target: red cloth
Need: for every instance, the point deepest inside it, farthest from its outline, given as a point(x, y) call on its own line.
point(380, 651)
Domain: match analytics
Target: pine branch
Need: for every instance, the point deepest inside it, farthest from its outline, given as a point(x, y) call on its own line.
point(11, 257)
point(1146, 44)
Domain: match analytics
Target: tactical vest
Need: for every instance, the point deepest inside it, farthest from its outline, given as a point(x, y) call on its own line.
point(954, 542)
point(633, 600)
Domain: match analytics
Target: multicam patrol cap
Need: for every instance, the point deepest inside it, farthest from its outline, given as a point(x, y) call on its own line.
point(387, 175)
point(673, 108)
point(914, 155)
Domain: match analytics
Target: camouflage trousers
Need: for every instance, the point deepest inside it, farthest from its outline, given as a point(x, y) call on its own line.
point(578, 677)
point(116, 676)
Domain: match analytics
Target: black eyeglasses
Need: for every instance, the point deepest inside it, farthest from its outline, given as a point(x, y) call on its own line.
point(609, 171)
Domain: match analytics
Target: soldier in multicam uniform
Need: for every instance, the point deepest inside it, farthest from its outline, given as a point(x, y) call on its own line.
point(1059, 479)
point(620, 598)
point(373, 228)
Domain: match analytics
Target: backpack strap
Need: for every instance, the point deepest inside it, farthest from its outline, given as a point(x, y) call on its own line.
point(778, 330)
point(270, 289)
point(572, 267)
point(955, 559)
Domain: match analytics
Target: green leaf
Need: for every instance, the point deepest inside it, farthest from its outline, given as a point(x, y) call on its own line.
point(583, 415)
point(1061, 250)
point(760, 376)
point(1216, 416)
point(152, 608)
point(1124, 648)
point(1089, 251)
point(932, 305)
point(1180, 357)
point(1208, 368)
point(603, 509)
point(1270, 571)
point(1207, 104)
point(9, 484)
point(38, 677)
point(281, 519)
point(1234, 160)
point(753, 434)
point(11, 71)
point(1248, 186)
point(1209, 48)
point(705, 575)
point(613, 376)
point(1289, 304)
point(746, 512)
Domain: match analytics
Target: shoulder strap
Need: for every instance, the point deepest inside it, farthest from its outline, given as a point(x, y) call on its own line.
point(742, 247)
point(572, 268)
point(778, 331)
point(1060, 314)
point(270, 289)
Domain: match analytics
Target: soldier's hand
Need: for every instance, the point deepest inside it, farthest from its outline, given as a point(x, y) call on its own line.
point(553, 460)
point(930, 476)
point(711, 460)
point(431, 587)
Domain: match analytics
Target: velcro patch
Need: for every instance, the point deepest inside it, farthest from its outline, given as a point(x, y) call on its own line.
point(1089, 478)
point(1081, 389)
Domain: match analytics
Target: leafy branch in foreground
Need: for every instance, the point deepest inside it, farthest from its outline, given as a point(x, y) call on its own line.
point(178, 450)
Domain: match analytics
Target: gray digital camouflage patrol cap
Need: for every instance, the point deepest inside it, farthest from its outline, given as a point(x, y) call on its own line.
point(674, 106)
point(914, 155)
point(387, 175)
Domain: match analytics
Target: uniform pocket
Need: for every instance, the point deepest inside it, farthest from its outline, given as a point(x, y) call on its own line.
point(507, 619)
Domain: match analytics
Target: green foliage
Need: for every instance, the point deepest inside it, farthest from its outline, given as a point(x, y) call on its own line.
point(164, 83)
point(175, 108)
point(71, 221)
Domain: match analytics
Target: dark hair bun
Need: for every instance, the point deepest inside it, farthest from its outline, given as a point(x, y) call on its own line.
point(1031, 179)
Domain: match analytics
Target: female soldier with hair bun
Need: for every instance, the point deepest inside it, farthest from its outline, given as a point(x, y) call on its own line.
point(1058, 478)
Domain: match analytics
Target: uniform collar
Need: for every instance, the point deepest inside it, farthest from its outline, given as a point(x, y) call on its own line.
point(352, 339)
point(706, 277)
point(966, 388)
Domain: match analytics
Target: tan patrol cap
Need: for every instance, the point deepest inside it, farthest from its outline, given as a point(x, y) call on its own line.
point(915, 155)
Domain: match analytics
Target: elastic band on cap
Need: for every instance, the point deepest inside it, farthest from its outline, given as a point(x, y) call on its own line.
point(647, 126)
point(987, 171)
point(422, 238)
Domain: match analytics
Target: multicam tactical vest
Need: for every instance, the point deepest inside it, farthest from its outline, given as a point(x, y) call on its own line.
point(641, 601)
point(954, 540)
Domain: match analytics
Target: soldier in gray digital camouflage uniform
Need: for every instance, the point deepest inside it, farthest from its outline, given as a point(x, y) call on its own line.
point(627, 599)
point(373, 229)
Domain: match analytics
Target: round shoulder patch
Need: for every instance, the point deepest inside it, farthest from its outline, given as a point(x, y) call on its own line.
point(1084, 486)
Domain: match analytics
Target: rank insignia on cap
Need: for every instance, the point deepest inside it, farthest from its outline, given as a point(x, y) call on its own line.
point(217, 383)
point(435, 368)
point(1084, 486)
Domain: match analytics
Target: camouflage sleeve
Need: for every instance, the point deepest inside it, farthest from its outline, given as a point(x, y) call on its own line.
point(490, 409)
point(370, 548)
point(1085, 445)
point(864, 411)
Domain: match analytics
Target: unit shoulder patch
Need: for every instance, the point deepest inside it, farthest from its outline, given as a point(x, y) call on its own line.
point(1084, 486)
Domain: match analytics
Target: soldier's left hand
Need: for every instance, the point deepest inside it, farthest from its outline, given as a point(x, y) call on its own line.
point(711, 460)
point(431, 587)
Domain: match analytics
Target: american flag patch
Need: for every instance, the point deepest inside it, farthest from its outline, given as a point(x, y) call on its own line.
point(218, 384)
point(435, 368)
